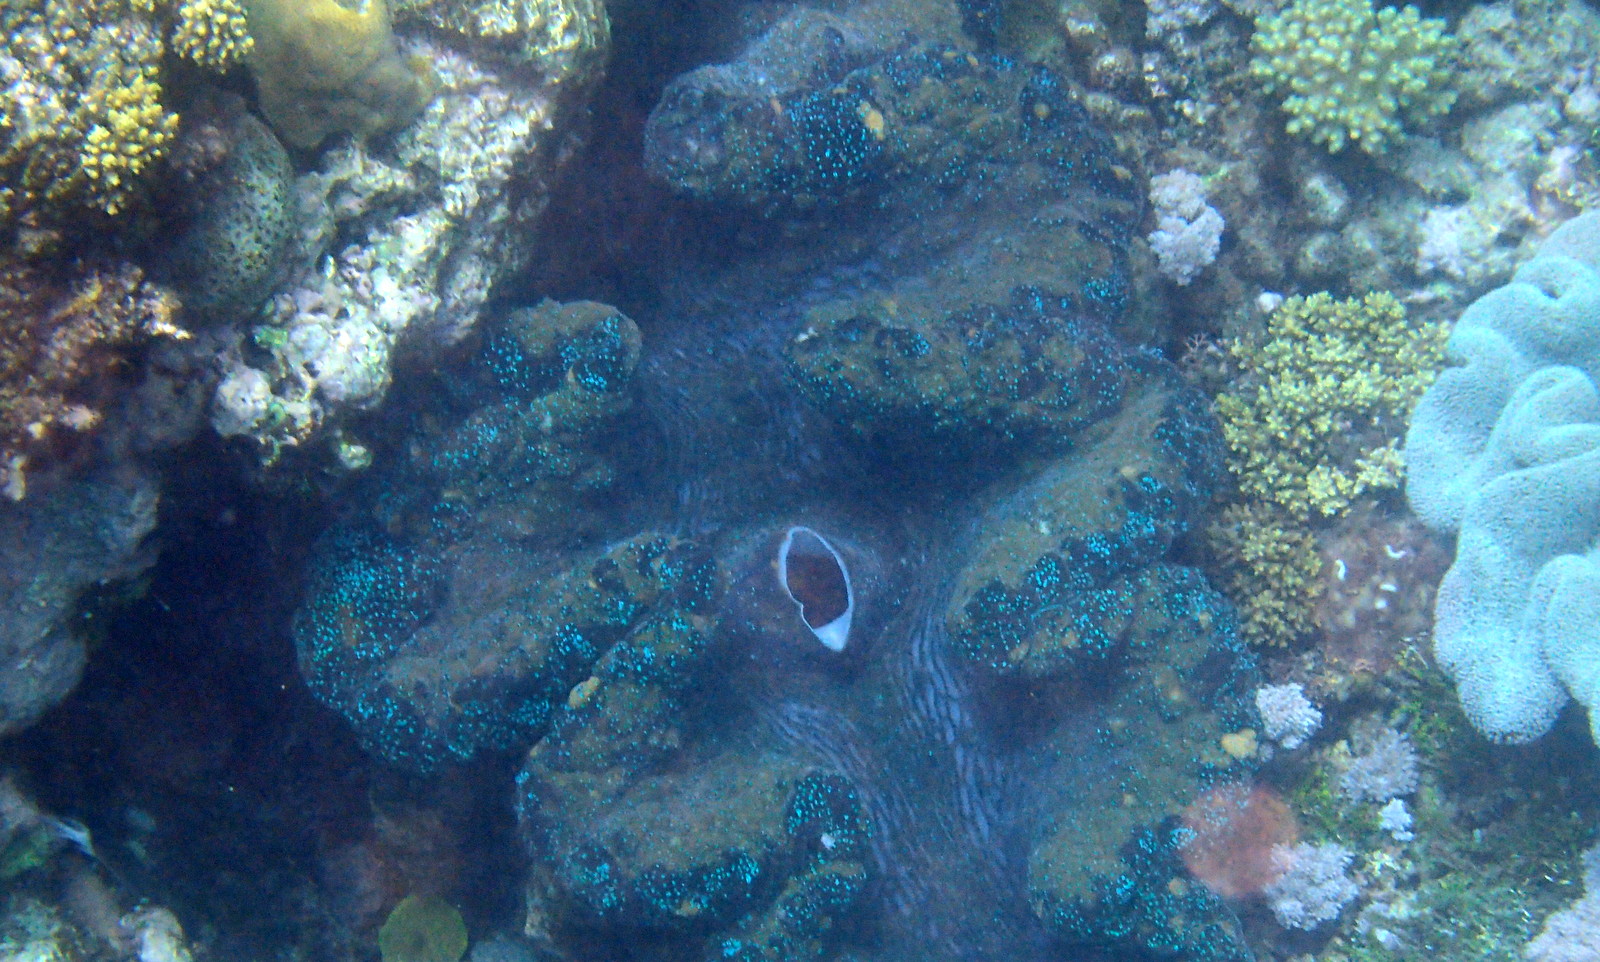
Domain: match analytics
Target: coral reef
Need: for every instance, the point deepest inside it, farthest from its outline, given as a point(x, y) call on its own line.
point(1271, 569)
point(238, 195)
point(1232, 832)
point(1502, 450)
point(842, 609)
point(559, 38)
point(61, 352)
point(211, 33)
point(1352, 74)
point(1380, 575)
point(402, 242)
point(55, 547)
point(87, 118)
point(1311, 424)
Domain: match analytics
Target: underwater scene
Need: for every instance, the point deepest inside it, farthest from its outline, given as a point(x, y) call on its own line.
point(799, 481)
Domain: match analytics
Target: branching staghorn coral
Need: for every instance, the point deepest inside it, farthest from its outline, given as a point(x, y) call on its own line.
point(1273, 572)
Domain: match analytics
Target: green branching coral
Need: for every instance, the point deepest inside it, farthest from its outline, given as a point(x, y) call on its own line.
point(1272, 572)
point(1312, 422)
point(1351, 73)
point(1315, 419)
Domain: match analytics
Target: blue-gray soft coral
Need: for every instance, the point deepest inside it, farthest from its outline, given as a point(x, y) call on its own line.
point(1505, 450)
point(860, 635)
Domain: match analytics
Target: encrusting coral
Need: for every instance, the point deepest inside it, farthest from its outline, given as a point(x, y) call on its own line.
point(1352, 74)
point(559, 37)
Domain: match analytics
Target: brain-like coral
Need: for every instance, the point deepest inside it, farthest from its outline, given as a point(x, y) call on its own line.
point(230, 253)
point(1351, 74)
point(322, 68)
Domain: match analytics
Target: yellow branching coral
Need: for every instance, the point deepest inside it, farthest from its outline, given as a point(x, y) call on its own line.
point(128, 130)
point(1315, 419)
point(1271, 570)
point(83, 118)
point(1351, 74)
point(212, 33)
point(82, 121)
